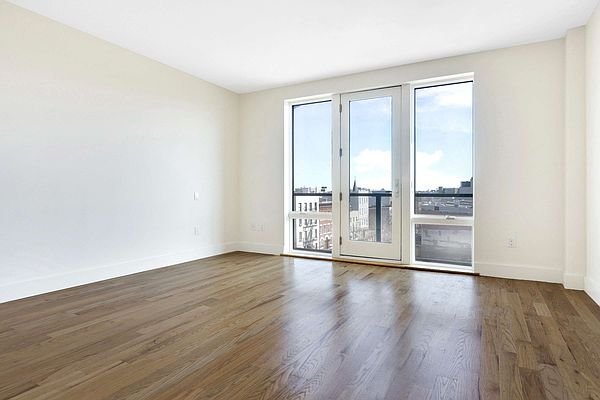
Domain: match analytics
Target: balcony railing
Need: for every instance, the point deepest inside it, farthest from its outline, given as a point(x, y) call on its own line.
point(378, 196)
point(425, 194)
point(385, 194)
point(449, 204)
point(324, 194)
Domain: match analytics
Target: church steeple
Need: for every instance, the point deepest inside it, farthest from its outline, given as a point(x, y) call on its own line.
point(354, 186)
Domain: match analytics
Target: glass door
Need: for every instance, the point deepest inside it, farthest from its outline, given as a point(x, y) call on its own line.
point(371, 174)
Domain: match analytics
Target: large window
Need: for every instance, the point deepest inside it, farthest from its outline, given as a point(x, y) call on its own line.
point(311, 144)
point(443, 173)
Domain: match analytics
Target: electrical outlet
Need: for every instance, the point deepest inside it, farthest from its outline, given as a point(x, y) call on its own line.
point(253, 227)
point(511, 243)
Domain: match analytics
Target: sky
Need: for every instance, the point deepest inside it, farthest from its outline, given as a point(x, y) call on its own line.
point(443, 140)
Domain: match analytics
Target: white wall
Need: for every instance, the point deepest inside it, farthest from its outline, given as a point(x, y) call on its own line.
point(592, 281)
point(575, 184)
point(519, 145)
point(101, 151)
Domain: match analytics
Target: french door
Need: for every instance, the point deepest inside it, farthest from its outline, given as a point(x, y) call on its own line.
point(374, 174)
point(385, 174)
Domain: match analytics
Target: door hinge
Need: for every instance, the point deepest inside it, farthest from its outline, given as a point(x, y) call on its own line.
point(340, 107)
point(340, 240)
point(340, 196)
point(340, 152)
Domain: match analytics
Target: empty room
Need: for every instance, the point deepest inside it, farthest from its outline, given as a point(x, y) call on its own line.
point(274, 199)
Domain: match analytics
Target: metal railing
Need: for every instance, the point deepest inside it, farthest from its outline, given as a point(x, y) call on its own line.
point(378, 196)
point(385, 194)
point(378, 204)
point(424, 194)
point(316, 194)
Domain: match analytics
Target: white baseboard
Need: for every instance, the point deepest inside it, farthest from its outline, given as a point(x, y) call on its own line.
point(51, 283)
point(523, 272)
point(22, 289)
point(573, 281)
point(259, 248)
point(592, 288)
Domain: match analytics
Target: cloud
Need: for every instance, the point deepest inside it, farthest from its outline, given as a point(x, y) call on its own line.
point(372, 169)
point(432, 98)
point(369, 160)
point(379, 108)
point(445, 110)
point(454, 95)
point(426, 160)
point(430, 175)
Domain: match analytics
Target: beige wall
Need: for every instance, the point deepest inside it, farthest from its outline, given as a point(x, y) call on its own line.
point(101, 151)
point(519, 150)
point(592, 282)
point(575, 183)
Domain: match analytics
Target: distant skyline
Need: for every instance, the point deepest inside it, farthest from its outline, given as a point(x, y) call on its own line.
point(443, 140)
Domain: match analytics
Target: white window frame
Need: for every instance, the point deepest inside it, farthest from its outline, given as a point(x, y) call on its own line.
point(289, 215)
point(408, 176)
point(419, 219)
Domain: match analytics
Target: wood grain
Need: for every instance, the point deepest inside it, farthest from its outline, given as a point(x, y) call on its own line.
point(249, 326)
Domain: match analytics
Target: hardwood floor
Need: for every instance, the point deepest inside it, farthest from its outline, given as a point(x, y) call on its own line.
point(247, 326)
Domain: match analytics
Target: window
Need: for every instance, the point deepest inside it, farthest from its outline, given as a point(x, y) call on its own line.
point(443, 150)
point(404, 162)
point(443, 174)
point(443, 244)
point(311, 173)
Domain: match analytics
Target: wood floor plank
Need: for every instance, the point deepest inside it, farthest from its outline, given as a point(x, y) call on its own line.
point(248, 326)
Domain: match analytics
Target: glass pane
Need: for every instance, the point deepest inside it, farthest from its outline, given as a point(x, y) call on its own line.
point(370, 130)
point(312, 148)
point(444, 244)
point(443, 150)
point(364, 225)
point(309, 233)
point(452, 205)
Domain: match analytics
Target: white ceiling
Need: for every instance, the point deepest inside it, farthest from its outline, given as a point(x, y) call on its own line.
point(249, 45)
